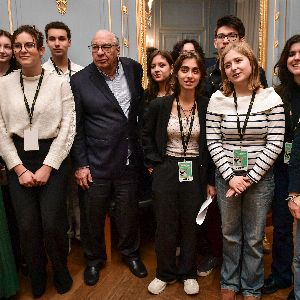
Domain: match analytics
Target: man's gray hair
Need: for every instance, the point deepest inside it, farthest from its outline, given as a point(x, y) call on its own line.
point(117, 40)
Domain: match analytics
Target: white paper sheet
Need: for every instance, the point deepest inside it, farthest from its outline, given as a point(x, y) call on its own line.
point(203, 210)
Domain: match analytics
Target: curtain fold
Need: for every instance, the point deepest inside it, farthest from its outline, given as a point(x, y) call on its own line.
point(248, 12)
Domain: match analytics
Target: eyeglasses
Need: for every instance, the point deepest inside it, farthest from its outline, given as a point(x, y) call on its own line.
point(27, 46)
point(105, 47)
point(230, 36)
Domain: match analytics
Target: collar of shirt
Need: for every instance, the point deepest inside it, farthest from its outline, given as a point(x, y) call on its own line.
point(48, 65)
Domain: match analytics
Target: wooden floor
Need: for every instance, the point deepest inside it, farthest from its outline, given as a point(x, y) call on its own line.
point(116, 281)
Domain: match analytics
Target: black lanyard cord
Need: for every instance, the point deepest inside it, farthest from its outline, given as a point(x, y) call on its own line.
point(243, 130)
point(58, 71)
point(30, 110)
point(185, 139)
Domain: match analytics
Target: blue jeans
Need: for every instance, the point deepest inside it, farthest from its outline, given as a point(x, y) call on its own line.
point(243, 227)
point(296, 264)
point(283, 246)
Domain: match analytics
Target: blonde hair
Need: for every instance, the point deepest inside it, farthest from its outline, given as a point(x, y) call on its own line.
point(243, 48)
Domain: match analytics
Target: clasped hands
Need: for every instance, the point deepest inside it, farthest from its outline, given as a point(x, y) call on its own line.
point(238, 184)
point(30, 179)
point(83, 178)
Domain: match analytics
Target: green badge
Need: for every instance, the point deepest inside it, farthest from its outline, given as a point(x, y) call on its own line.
point(287, 152)
point(240, 160)
point(185, 171)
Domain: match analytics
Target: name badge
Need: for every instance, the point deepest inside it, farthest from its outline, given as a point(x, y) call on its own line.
point(185, 171)
point(240, 160)
point(287, 152)
point(31, 139)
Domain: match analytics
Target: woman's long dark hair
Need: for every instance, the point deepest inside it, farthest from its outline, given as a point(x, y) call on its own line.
point(285, 76)
point(179, 46)
point(177, 66)
point(153, 88)
point(12, 62)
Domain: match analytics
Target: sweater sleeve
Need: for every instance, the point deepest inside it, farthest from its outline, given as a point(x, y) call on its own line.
point(8, 150)
point(62, 144)
point(273, 147)
point(214, 144)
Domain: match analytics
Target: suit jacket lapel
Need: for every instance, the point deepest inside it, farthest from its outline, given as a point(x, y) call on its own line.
point(167, 110)
point(100, 83)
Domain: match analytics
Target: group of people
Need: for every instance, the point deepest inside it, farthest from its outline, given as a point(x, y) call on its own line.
point(236, 147)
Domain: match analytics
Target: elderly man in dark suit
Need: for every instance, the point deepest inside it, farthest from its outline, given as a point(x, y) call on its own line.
point(107, 153)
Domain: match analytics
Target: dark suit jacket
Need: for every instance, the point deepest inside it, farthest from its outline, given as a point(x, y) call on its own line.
point(294, 165)
point(103, 131)
point(155, 137)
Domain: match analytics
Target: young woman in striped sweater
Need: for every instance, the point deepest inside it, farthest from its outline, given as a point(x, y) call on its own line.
point(245, 131)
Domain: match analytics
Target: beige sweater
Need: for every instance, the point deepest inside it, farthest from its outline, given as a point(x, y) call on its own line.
point(53, 116)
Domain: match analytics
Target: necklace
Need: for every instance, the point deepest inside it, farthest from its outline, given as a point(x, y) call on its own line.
point(186, 112)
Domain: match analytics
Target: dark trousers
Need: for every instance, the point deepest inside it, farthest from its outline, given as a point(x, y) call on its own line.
point(12, 224)
point(41, 211)
point(283, 247)
point(211, 231)
point(176, 205)
point(94, 204)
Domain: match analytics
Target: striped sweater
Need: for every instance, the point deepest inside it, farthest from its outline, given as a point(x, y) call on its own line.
point(264, 134)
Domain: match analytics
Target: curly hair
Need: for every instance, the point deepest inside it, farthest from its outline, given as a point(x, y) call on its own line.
point(153, 88)
point(243, 48)
point(35, 33)
point(177, 66)
point(285, 76)
point(179, 46)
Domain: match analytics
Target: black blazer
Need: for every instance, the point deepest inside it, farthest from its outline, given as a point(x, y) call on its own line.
point(155, 137)
point(104, 134)
point(294, 165)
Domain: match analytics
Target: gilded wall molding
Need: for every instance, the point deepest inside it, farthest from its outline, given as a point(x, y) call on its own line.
point(9, 16)
point(62, 6)
point(263, 33)
point(124, 27)
point(141, 36)
point(109, 14)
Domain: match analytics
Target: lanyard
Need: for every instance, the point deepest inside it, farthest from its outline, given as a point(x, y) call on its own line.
point(58, 71)
point(30, 110)
point(243, 130)
point(185, 139)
